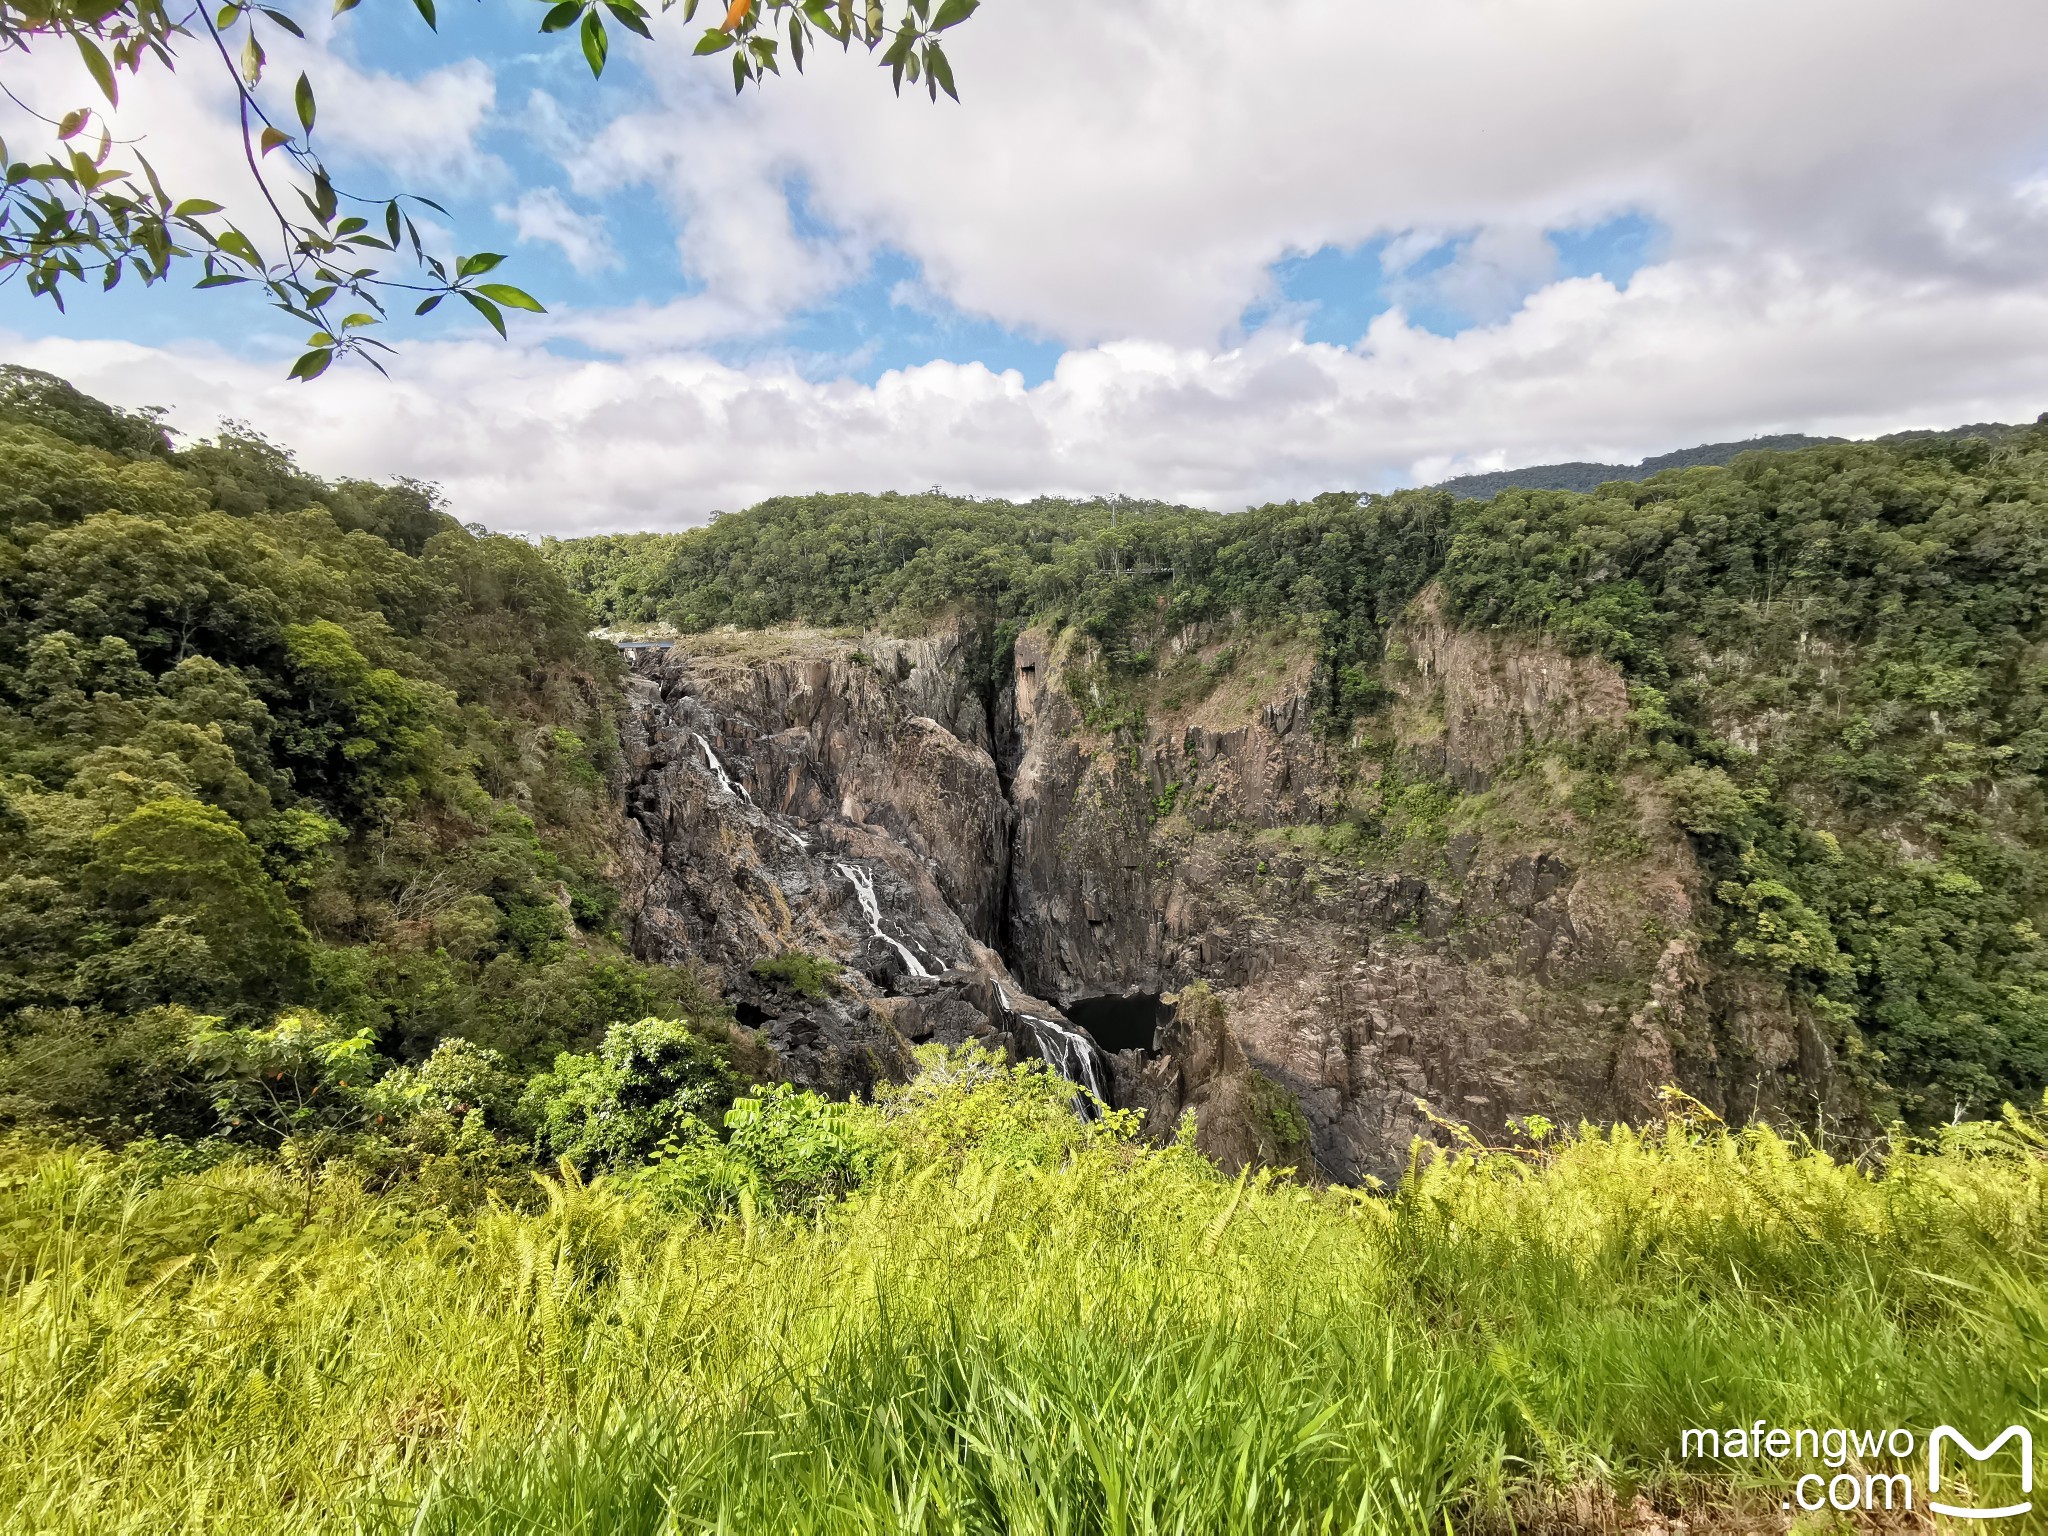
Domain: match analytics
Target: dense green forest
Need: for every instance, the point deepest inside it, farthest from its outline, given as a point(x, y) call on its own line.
point(298, 781)
point(1836, 659)
point(353, 1178)
point(1580, 475)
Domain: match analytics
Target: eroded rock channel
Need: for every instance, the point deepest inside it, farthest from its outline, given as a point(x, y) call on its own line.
point(983, 865)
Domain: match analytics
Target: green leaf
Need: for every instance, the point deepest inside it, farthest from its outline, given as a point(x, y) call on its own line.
point(97, 66)
point(252, 60)
point(227, 16)
point(510, 297)
point(341, 6)
point(488, 310)
point(940, 71)
point(628, 16)
point(562, 17)
point(302, 98)
point(478, 265)
point(283, 21)
point(595, 43)
point(236, 244)
point(358, 319)
point(426, 305)
point(426, 10)
point(272, 137)
point(391, 221)
point(312, 364)
point(193, 208)
point(73, 122)
point(219, 280)
point(953, 12)
point(713, 41)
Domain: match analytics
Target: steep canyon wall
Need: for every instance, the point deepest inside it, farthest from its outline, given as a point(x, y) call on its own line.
point(1450, 908)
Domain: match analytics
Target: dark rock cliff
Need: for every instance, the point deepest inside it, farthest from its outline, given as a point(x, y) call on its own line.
point(1442, 909)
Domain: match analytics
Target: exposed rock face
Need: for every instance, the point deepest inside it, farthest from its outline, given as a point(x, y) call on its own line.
point(790, 798)
point(1494, 696)
point(1440, 910)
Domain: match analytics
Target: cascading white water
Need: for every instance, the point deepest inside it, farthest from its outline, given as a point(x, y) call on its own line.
point(738, 790)
point(864, 887)
point(1066, 1050)
point(726, 781)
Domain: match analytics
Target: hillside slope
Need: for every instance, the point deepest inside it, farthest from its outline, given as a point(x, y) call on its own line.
point(1816, 709)
point(273, 748)
point(1582, 476)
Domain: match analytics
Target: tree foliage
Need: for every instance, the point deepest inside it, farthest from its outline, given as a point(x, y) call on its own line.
point(1835, 658)
point(89, 207)
point(278, 748)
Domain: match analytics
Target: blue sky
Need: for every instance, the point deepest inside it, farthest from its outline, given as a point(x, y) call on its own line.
point(885, 316)
point(1404, 242)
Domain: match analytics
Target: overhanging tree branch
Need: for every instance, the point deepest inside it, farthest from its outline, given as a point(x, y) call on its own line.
point(67, 214)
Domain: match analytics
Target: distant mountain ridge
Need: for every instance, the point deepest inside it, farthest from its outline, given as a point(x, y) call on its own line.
point(1580, 476)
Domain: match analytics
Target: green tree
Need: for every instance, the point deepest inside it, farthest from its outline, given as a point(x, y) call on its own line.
point(647, 1082)
point(91, 208)
point(190, 887)
point(361, 737)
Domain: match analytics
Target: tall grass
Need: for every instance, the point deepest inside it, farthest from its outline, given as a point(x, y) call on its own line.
point(1120, 1342)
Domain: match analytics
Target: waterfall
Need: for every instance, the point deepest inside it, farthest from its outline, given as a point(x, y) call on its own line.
point(1066, 1050)
point(864, 888)
point(738, 791)
point(725, 780)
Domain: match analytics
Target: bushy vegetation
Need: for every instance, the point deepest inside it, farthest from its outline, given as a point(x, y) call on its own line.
point(1835, 657)
point(358, 1180)
point(798, 972)
point(298, 779)
point(964, 1310)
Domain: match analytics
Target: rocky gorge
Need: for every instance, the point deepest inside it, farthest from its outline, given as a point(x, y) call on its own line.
point(1322, 949)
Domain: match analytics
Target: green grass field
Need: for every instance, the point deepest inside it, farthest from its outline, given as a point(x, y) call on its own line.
point(1004, 1333)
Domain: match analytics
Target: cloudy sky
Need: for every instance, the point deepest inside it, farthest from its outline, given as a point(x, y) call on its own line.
point(1198, 249)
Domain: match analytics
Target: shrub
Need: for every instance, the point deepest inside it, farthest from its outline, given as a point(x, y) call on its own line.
point(966, 1102)
point(1278, 1124)
point(802, 1149)
point(799, 973)
point(647, 1081)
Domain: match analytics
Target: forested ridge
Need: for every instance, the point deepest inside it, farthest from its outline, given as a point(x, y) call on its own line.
point(298, 781)
point(352, 1177)
point(1835, 658)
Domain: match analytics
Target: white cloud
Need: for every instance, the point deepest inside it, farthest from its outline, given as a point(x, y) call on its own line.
point(1133, 170)
point(1694, 349)
point(1852, 191)
point(422, 132)
point(543, 214)
point(1487, 278)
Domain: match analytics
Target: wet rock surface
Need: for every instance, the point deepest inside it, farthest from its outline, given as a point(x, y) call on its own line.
point(980, 863)
point(796, 801)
